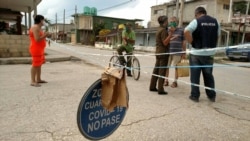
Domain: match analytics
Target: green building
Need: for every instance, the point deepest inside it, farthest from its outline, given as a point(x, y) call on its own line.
point(88, 25)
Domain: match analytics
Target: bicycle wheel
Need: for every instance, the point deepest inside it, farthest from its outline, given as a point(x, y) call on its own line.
point(135, 68)
point(114, 61)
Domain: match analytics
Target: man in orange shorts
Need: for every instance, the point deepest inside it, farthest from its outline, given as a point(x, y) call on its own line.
point(37, 46)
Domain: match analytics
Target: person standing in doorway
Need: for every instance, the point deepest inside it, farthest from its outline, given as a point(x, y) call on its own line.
point(37, 46)
point(202, 33)
point(177, 46)
point(162, 47)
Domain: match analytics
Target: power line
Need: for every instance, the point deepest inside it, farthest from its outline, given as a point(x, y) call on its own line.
point(121, 4)
point(69, 15)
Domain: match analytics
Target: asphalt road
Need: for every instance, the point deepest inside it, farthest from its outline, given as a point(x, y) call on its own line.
point(48, 113)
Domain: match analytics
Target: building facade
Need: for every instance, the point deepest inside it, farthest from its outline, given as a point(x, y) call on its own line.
point(13, 43)
point(88, 26)
point(231, 27)
point(61, 31)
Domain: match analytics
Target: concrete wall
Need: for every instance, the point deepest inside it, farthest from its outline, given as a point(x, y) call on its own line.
point(14, 46)
point(104, 45)
point(221, 13)
point(142, 39)
point(55, 28)
point(156, 11)
point(85, 22)
point(59, 27)
point(73, 38)
point(209, 5)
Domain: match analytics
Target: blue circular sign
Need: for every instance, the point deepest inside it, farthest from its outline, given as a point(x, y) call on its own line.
point(94, 121)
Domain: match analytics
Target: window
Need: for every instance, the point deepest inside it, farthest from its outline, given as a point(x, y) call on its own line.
point(158, 12)
point(226, 6)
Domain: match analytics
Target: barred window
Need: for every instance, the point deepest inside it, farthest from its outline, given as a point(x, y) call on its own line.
point(226, 6)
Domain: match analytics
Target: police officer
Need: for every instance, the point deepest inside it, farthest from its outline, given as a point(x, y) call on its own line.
point(203, 34)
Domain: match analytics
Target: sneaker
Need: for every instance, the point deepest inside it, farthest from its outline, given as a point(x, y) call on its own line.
point(163, 93)
point(212, 99)
point(195, 99)
point(153, 90)
point(129, 75)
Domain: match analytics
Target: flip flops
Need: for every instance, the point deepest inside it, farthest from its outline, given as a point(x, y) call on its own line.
point(35, 85)
point(174, 85)
point(42, 81)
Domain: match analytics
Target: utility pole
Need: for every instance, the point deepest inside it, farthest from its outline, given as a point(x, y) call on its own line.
point(56, 27)
point(63, 25)
point(75, 23)
point(181, 14)
point(177, 9)
point(244, 26)
point(230, 11)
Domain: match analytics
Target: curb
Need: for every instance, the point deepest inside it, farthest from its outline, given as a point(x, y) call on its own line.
point(27, 60)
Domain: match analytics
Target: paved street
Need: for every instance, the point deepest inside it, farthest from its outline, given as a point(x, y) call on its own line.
point(48, 113)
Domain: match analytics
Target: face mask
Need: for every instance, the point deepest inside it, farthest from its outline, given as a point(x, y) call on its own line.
point(127, 29)
point(172, 24)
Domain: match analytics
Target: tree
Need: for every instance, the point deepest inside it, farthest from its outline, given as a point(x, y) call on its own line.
point(48, 22)
point(97, 28)
point(240, 7)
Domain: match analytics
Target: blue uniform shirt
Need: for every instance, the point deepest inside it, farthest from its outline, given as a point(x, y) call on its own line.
point(202, 52)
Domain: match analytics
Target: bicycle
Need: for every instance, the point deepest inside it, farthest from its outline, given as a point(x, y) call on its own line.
point(135, 64)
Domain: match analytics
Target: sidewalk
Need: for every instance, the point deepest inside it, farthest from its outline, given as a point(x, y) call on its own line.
point(51, 56)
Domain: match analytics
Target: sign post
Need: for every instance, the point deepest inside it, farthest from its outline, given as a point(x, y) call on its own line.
point(94, 121)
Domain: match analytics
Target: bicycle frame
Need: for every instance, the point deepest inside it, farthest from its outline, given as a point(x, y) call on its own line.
point(135, 64)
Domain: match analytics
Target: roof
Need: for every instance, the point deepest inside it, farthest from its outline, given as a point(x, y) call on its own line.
point(240, 0)
point(61, 24)
point(19, 5)
point(146, 30)
point(173, 3)
point(7, 15)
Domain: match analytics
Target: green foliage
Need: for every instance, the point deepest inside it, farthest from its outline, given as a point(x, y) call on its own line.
point(47, 21)
point(240, 7)
point(97, 28)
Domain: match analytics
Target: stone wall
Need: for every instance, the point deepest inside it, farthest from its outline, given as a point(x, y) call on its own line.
point(14, 46)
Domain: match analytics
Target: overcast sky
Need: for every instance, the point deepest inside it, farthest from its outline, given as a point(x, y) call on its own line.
point(129, 9)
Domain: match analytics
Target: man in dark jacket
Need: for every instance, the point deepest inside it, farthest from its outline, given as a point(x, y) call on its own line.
point(202, 33)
